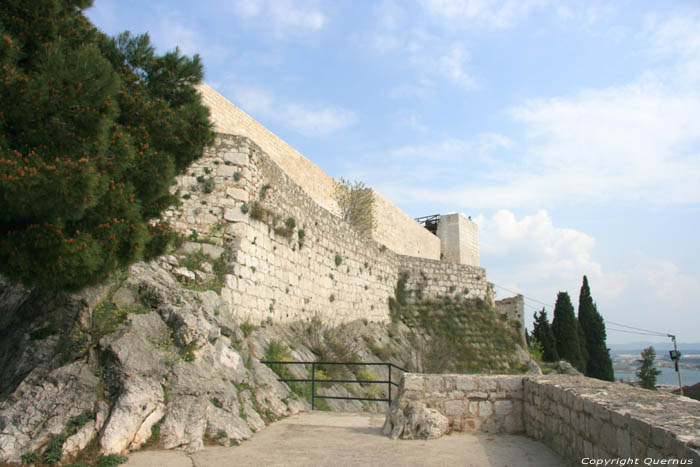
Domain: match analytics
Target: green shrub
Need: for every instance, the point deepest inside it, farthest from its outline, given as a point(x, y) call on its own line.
point(208, 185)
point(247, 327)
point(357, 205)
point(111, 460)
point(54, 450)
point(29, 457)
point(338, 260)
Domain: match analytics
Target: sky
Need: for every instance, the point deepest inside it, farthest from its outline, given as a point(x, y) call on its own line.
point(568, 130)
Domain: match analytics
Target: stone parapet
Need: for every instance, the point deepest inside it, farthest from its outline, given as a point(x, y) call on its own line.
point(583, 417)
point(580, 418)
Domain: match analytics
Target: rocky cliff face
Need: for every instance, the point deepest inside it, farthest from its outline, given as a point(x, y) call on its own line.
point(139, 357)
point(157, 357)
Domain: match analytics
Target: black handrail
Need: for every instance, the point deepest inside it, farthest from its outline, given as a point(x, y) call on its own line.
point(313, 379)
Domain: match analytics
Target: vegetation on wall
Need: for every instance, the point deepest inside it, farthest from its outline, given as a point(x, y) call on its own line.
point(92, 132)
point(454, 334)
point(357, 205)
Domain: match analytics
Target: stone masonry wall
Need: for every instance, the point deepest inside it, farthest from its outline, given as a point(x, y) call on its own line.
point(493, 404)
point(459, 239)
point(321, 267)
point(514, 309)
point(577, 417)
point(587, 418)
point(443, 279)
point(395, 229)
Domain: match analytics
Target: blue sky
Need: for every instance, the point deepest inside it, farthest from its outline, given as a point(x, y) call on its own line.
point(568, 130)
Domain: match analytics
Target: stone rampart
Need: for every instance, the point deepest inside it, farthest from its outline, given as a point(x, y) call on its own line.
point(514, 310)
point(291, 258)
point(581, 418)
point(395, 229)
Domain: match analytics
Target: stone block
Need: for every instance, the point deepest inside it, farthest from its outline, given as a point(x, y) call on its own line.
point(623, 444)
point(503, 407)
point(486, 383)
point(236, 158)
point(434, 383)
point(235, 215)
point(455, 408)
point(412, 382)
point(239, 194)
point(510, 384)
point(213, 251)
point(191, 247)
point(661, 438)
point(485, 409)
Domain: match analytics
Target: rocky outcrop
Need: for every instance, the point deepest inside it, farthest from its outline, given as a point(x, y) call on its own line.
point(137, 357)
point(413, 420)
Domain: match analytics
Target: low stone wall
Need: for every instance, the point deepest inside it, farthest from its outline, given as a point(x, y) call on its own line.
point(583, 419)
point(470, 402)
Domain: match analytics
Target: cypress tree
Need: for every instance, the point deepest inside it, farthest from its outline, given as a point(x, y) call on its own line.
point(647, 372)
point(542, 332)
point(566, 332)
point(598, 363)
point(92, 132)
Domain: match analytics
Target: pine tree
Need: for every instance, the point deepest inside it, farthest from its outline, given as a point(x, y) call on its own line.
point(566, 332)
point(647, 373)
point(598, 361)
point(542, 332)
point(92, 132)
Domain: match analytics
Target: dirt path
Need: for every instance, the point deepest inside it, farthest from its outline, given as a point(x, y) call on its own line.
point(343, 439)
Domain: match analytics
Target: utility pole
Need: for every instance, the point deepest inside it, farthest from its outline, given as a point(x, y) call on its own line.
point(676, 356)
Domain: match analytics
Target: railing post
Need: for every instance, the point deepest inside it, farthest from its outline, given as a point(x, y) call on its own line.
point(313, 385)
point(389, 365)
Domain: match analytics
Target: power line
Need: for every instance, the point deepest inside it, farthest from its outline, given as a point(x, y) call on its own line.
point(664, 334)
point(524, 296)
point(607, 328)
point(645, 332)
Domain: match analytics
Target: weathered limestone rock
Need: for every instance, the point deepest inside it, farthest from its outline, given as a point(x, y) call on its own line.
point(565, 368)
point(413, 420)
point(138, 408)
point(42, 405)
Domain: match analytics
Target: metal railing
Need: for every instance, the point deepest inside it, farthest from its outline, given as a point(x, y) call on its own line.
point(313, 380)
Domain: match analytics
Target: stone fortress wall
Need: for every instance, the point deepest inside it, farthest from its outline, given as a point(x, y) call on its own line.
point(578, 417)
point(320, 267)
point(514, 310)
point(395, 229)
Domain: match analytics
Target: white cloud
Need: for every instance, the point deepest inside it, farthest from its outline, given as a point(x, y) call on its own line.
point(492, 13)
point(284, 16)
point(452, 64)
point(534, 244)
point(531, 255)
point(309, 120)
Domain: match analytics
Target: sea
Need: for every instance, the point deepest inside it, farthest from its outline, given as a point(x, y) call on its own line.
point(667, 376)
